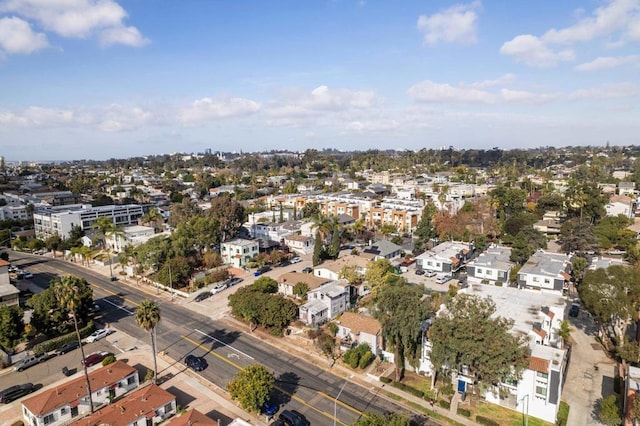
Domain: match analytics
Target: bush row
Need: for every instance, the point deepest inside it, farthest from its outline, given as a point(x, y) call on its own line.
point(464, 412)
point(409, 389)
point(444, 404)
point(58, 342)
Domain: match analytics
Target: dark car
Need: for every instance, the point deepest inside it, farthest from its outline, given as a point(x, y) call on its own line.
point(307, 270)
point(67, 348)
point(262, 270)
point(94, 358)
point(284, 263)
point(203, 296)
point(574, 310)
point(14, 392)
point(196, 363)
point(420, 272)
point(233, 281)
point(293, 418)
point(269, 409)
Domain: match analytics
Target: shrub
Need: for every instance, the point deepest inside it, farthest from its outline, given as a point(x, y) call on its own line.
point(444, 404)
point(447, 389)
point(384, 379)
point(409, 389)
point(218, 275)
point(314, 333)
point(353, 356)
point(486, 421)
point(333, 328)
point(498, 283)
point(366, 359)
point(276, 332)
point(108, 360)
point(464, 412)
point(18, 423)
point(149, 375)
point(58, 342)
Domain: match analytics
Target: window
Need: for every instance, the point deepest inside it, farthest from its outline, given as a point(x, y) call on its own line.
point(540, 375)
point(541, 391)
point(488, 272)
point(479, 270)
point(546, 280)
point(48, 419)
point(131, 380)
point(536, 279)
point(63, 411)
point(98, 393)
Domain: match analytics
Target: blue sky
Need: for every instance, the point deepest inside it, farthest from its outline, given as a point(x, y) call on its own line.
point(98, 79)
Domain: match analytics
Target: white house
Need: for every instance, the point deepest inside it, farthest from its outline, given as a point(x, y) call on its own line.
point(288, 280)
point(383, 249)
point(535, 315)
point(238, 252)
point(133, 235)
point(60, 404)
point(547, 272)
point(620, 205)
point(331, 269)
point(325, 302)
point(493, 265)
point(448, 256)
point(148, 405)
point(300, 244)
point(356, 328)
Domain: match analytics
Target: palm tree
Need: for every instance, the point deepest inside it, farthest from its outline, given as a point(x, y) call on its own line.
point(147, 317)
point(66, 293)
point(153, 217)
point(107, 228)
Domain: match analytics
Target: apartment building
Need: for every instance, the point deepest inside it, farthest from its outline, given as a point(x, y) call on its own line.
point(238, 252)
point(492, 265)
point(325, 302)
point(547, 272)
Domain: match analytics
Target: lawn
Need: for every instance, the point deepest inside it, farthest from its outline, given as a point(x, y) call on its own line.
point(505, 416)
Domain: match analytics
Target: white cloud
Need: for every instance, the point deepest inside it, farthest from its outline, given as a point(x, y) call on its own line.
point(530, 50)
point(609, 91)
point(322, 99)
point(428, 91)
point(614, 17)
point(518, 96)
point(505, 79)
point(208, 109)
point(16, 36)
point(456, 24)
point(373, 126)
point(79, 19)
point(608, 62)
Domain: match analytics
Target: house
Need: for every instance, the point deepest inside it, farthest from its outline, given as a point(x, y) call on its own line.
point(492, 266)
point(300, 244)
point(288, 280)
point(631, 390)
point(537, 316)
point(238, 252)
point(355, 328)
point(620, 205)
point(626, 188)
point(331, 269)
point(448, 256)
point(325, 302)
point(383, 249)
point(547, 272)
point(604, 262)
point(148, 405)
point(133, 235)
point(9, 295)
point(191, 418)
point(62, 403)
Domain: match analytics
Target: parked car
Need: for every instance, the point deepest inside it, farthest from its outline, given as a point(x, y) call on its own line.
point(27, 275)
point(260, 271)
point(98, 334)
point(284, 263)
point(295, 259)
point(28, 362)
point(218, 288)
point(203, 296)
point(443, 279)
point(233, 281)
point(430, 273)
point(574, 311)
point(293, 418)
point(12, 393)
point(67, 348)
point(95, 308)
point(12, 268)
point(269, 409)
point(46, 357)
point(196, 363)
point(94, 358)
point(307, 270)
point(419, 271)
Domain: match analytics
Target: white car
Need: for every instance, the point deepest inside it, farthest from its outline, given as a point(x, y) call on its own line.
point(218, 288)
point(28, 275)
point(98, 334)
point(443, 279)
point(295, 259)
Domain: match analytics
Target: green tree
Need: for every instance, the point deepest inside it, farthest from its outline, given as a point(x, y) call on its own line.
point(67, 292)
point(564, 331)
point(329, 347)
point(425, 229)
point(377, 419)
point(578, 237)
point(377, 274)
point(609, 412)
point(469, 334)
point(318, 250)
point(229, 213)
point(251, 387)
point(147, 317)
point(300, 290)
point(11, 325)
point(265, 284)
point(400, 310)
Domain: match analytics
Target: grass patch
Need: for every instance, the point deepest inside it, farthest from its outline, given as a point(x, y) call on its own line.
point(563, 414)
point(505, 416)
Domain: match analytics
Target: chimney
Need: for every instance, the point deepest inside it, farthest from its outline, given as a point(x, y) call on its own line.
point(122, 409)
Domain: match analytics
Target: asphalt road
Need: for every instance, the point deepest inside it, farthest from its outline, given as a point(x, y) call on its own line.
point(300, 385)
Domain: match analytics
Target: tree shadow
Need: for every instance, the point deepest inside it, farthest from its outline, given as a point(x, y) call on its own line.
point(287, 382)
point(595, 409)
point(219, 338)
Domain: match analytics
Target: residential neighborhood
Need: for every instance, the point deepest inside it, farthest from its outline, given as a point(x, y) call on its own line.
point(369, 277)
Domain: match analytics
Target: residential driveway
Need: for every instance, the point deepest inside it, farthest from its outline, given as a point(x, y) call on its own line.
point(428, 282)
point(590, 374)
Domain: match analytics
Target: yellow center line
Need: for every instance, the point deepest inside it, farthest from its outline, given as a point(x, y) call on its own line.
point(292, 396)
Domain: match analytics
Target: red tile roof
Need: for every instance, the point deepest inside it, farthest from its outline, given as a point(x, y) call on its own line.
point(191, 418)
point(538, 364)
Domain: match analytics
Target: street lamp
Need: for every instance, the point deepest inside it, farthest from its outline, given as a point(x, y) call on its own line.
point(525, 414)
point(335, 403)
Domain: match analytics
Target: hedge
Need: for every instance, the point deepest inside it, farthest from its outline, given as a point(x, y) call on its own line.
point(409, 389)
point(486, 421)
point(444, 404)
point(384, 379)
point(464, 412)
point(58, 342)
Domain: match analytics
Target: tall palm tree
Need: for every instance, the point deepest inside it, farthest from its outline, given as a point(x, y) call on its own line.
point(66, 293)
point(107, 228)
point(147, 317)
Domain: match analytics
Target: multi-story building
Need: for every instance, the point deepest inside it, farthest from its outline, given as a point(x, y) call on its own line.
point(493, 265)
point(9, 295)
point(325, 302)
point(547, 272)
point(238, 252)
point(50, 221)
point(445, 257)
point(133, 235)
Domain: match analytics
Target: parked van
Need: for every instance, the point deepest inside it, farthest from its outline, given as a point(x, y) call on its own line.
point(14, 392)
point(26, 363)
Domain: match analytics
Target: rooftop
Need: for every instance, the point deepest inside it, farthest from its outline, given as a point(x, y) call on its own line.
point(358, 323)
point(547, 264)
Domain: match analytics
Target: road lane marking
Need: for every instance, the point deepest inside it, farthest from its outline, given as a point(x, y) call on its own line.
point(223, 343)
point(118, 306)
point(292, 396)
